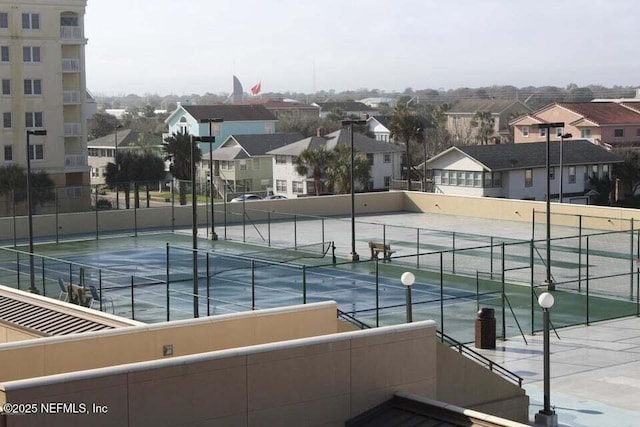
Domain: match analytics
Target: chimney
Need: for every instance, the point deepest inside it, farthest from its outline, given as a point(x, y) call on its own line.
point(320, 132)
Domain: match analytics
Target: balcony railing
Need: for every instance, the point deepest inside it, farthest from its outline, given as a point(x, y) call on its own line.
point(71, 97)
point(76, 163)
point(72, 129)
point(68, 33)
point(70, 65)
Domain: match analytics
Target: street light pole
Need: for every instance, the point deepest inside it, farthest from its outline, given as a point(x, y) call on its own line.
point(562, 138)
point(194, 218)
point(546, 416)
point(548, 126)
point(353, 256)
point(214, 236)
point(32, 276)
point(115, 161)
point(408, 279)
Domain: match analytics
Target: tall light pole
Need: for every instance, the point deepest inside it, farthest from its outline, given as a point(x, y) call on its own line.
point(546, 416)
point(548, 126)
point(115, 161)
point(353, 256)
point(194, 218)
point(408, 279)
point(32, 276)
point(562, 138)
point(214, 236)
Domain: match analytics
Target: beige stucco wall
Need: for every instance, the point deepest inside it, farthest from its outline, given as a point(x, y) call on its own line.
point(47, 356)
point(11, 334)
point(315, 381)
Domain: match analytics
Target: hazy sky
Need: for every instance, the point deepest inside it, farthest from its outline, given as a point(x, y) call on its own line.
point(196, 46)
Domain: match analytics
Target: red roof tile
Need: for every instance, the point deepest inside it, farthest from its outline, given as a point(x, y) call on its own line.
point(603, 113)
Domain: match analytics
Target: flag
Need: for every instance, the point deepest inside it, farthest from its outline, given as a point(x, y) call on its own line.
point(256, 89)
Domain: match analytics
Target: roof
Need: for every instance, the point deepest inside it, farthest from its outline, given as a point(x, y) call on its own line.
point(383, 120)
point(534, 155)
point(344, 106)
point(279, 104)
point(603, 113)
point(126, 138)
point(495, 106)
point(230, 113)
point(254, 145)
point(361, 143)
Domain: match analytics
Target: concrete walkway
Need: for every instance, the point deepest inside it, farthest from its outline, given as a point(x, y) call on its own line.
point(595, 372)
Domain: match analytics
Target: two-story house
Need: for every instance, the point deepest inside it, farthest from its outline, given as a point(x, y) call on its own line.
point(612, 124)
point(461, 114)
point(385, 160)
point(517, 171)
point(241, 163)
point(237, 120)
point(102, 151)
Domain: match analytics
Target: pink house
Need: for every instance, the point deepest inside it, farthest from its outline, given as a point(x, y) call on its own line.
point(602, 123)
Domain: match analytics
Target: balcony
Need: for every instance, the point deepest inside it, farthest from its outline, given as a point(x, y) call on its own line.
point(76, 163)
point(70, 65)
point(71, 34)
point(72, 129)
point(71, 97)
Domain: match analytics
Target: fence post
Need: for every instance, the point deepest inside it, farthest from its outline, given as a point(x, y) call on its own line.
point(18, 268)
point(133, 313)
point(44, 289)
point(100, 286)
point(377, 295)
point(477, 290)
point(97, 222)
point(136, 200)
point(587, 261)
point(15, 236)
point(579, 253)
point(173, 205)
point(504, 297)
point(322, 219)
point(632, 262)
point(418, 248)
point(168, 279)
point(491, 261)
point(269, 228)
point(453, 254)
point(304, 284)
point(253, 285)
point(295, 231)
point(55, 196)
point(208, 283)
point(533, 278)
point(442, 295)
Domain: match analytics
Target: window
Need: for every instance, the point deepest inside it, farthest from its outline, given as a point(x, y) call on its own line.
point(488, 183)
point(528, 177)
point(594, 170)
point(572, 174)
point(6, 120)
point(477, 179)
point(33, 87)
point(461, 181)
point(69, 21)
point(95, 172)
point(618, 133)
point(559, 132)
point(585, 133)
point(281, 186)
point(370, 158)
point(30, 21)
point(453, 178)
point(525, 130)
point(387, 156)
point(437, 176)
point(8, 153)
point(6, 87)
point(469, 179)
point(298, 187)
point(281, 160)
point(552, 173)
point(243, 164)
point(543, 132)
point(33, 120)
point(31, 54)
point(445, 177)
point(497, 179)
point(605, 171)
point(256, 163)
point(4, 20)
point(387, 181)
point(36, 152)
point(4, 53)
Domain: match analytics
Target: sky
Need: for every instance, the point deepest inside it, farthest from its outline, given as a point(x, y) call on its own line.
point(196, 46)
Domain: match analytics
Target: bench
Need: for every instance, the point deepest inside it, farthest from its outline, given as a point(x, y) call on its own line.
point(376, 248)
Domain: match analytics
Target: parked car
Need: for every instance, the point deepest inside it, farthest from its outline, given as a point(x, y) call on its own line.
point(246, 198)
point(274, 197)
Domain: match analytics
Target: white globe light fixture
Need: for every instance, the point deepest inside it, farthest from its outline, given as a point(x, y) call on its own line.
point(408, 278)
point(546, 300)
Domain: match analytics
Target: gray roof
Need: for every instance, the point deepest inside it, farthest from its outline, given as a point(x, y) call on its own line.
point(126, 138)
point(534, 155)
point(344, 106)
point(230, 113)
point(383, 120)
point(494, 106)
point(260, 144)
point(361, 143)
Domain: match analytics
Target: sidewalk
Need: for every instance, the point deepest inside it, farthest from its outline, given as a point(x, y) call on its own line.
point(595, 372)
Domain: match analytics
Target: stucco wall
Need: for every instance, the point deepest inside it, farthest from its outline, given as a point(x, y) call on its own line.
point(10, 334)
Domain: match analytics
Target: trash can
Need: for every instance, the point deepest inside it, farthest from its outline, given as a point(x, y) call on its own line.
point(486, 329)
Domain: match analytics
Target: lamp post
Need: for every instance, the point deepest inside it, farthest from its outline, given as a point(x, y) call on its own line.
point(548, 126)
point(546, 416)
point(562, 138)
point(32, 276)
point(353, 256)
point(115, 161)
point(408, 279)
point(194, 218)
point(214, 236)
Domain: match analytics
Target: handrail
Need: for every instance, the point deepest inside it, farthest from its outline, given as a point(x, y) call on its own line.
point(349, 318)
point(490, 364)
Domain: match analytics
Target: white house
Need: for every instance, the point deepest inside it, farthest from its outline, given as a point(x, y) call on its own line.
point(517, 171)
point(379, 126)
point(385, 160)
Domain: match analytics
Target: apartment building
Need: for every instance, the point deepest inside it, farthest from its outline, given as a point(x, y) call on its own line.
point(43, 80)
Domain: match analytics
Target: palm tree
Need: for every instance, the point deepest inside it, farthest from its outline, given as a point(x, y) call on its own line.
point(406, 126)
point(177, 149)
point(484, 123)
point(119, 175)
point(13, 180)
point(339, 169)
point(314, 161)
